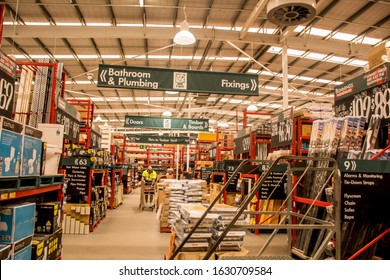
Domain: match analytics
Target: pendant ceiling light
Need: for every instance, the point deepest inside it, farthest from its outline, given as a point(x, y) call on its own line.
point(167, 114)
point(251, 108)
point(184, 36)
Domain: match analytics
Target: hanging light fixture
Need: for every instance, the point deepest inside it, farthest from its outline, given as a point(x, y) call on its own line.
point(167, 114)
point(252, 108)
point(184, 36)
point(98, 118)
point(223, 124)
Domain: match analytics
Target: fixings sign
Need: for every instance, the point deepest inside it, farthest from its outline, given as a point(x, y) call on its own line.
point(116, 76)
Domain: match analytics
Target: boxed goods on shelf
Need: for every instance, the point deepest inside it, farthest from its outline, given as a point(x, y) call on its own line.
point(17, 221)
point(31, 151)
point(47, 246)
point(10, 147)
point(24, 254)
point(48, 217)
point(53, 136)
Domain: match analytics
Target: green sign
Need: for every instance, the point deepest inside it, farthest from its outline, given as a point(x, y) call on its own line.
point(116, 76)
point(167, 123)
point(157, 139)
point(356, 166)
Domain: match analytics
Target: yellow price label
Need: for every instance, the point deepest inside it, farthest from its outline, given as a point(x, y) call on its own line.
point(4, 196)
point(12, 195)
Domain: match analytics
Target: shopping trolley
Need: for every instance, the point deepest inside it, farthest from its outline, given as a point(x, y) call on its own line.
point(147, 196)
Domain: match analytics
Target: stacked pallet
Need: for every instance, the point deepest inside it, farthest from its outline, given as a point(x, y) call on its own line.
point(234, 239)
point(185, 219)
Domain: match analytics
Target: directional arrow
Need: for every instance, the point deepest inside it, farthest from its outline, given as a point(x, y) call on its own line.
point(254, 84)
point(103, 75)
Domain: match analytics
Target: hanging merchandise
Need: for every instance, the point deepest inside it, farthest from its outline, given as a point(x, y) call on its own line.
point(41, 83)
point(24, 95)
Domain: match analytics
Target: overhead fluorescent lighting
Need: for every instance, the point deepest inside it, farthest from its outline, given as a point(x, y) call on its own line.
point(171, 92)
point(141, 3)
point(98, 118)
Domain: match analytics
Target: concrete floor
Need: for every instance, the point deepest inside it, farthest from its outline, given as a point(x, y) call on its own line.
point(127, 233)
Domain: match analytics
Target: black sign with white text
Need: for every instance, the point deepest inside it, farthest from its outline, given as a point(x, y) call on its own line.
point(365, 95)
point(273, 186)
point(365, 193)
point(242, 145)
point(7, 85)
point(282, 128)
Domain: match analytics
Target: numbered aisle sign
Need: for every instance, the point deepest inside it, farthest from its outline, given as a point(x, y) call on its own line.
point(77, 171)
point(273, 186)
point(365, 192)
point(282, 128)
point(7, 85)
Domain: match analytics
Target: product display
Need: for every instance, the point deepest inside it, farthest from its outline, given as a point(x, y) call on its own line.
point(273, 120)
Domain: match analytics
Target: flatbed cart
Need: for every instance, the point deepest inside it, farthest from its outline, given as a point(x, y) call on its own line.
point(147, 196)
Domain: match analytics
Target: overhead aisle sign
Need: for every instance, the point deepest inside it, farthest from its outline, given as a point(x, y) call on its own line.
point(116, 76)
point(167, 123)
point(158, 139)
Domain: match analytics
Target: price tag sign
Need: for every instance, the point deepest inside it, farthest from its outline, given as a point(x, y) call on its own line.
point(282, 128)
point(366, 95)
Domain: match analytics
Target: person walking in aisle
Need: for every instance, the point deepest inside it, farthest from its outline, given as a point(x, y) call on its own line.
point(149, 177)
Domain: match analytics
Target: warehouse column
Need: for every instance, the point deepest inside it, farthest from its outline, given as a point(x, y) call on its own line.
point(285, 75)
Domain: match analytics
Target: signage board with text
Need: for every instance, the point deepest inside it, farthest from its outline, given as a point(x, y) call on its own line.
point(147, 78)
point(167, 123)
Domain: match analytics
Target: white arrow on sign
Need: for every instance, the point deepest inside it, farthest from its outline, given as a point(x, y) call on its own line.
point(353, 165)
point(254, 84)
point(103, 75)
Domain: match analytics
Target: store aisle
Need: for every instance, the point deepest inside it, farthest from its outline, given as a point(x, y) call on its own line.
point(128, 233)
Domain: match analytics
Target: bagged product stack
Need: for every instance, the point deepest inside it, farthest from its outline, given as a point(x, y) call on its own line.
point(234, 239)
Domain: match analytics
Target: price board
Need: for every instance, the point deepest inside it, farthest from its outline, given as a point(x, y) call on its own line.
point(230, 167)
point(282, 128)
point(365, 192)
point(366, 95)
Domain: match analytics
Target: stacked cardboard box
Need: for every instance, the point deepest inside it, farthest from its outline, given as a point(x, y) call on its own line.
point(47, 246)
point(17, 229)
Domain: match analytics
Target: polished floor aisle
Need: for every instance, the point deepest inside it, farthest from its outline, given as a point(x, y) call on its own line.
point(127, 233)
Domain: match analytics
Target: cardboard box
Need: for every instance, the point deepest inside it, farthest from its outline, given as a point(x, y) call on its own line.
point(47, 246)
point(306, 129)
point(48, 217)
point(10, 147)
point(24, 254)
point(17, 221)
point(20, 245)
point(52, 134)
point(375, 55)
point(5, 251)
point(32, 151)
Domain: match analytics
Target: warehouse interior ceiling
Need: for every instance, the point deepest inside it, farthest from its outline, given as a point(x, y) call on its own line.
point(231, 36)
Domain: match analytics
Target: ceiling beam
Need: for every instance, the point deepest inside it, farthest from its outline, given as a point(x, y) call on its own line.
point(252, 17)
point(114, 32)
